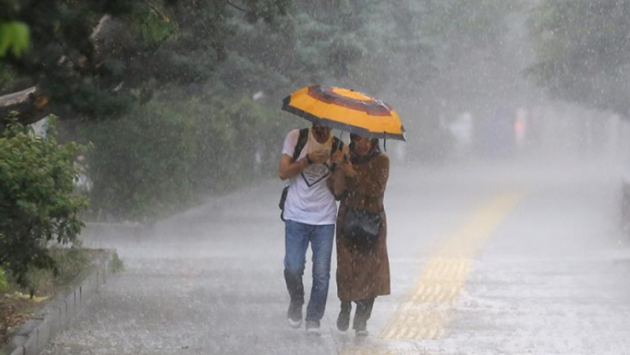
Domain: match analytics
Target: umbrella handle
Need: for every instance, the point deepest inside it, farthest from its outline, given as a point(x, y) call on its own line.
point(335, 148)
point(333, 166)
point(340, 141)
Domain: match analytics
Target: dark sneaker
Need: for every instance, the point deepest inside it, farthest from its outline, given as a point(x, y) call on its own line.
point(294, 315)
point(312, 327)
point(343, 321)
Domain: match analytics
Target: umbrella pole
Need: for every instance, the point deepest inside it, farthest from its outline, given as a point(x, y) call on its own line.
point(335, 148)
point(338, 146)
point(340, 138)
point(385, 141)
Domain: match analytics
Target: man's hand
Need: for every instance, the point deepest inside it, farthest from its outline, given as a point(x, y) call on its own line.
point(338, 157)
point(318, 157)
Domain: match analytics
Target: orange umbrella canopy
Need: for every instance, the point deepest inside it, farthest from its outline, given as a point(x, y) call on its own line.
point(347, 110)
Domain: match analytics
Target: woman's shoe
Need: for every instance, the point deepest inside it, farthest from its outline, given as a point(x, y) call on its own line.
point(361, 333)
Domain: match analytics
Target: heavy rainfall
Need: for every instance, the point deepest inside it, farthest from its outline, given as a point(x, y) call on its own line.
point(145, 145)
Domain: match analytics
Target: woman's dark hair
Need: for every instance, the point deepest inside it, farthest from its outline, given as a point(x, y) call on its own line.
point(356, 159)
point(374, 141)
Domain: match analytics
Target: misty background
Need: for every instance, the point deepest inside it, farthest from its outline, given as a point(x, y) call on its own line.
point(175, 106)
point(182, 99)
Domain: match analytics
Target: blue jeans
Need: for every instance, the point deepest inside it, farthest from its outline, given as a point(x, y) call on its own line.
point(297, 237)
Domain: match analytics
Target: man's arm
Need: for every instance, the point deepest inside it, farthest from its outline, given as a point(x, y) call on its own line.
point(289, 168)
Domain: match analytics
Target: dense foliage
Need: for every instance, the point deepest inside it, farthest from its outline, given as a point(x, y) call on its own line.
point(14, 38)
point(165, 88)
point(97, 58)
point(4, 284)
point(166, 155)
point(583, 51)
point(37, 201)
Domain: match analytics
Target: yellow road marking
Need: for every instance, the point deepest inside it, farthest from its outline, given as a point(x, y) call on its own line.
point(370, 351)
point(425, 313)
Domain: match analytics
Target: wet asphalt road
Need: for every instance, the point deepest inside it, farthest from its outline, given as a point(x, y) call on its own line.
point(485, 259)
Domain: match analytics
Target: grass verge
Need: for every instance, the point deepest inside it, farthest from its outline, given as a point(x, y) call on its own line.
point(19, 304)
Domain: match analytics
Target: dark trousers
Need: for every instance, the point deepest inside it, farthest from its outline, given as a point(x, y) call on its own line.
point(362, 313)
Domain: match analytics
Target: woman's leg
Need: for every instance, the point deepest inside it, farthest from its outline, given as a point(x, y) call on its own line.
point(362, 314)
point(343, 321)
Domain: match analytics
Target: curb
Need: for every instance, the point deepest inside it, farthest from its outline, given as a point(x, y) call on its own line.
point(34, 335)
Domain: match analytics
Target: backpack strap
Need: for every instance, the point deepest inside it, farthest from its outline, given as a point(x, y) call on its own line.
point(300, 143)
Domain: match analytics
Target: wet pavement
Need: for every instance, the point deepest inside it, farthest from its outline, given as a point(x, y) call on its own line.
point(485, 259)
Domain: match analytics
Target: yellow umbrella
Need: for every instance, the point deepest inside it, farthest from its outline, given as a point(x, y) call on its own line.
point(347, 110)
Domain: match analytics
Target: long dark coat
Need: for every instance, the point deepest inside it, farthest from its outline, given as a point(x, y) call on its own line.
point(363, 274)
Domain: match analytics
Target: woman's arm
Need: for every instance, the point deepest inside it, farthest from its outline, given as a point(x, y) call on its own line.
point(337, 182)
point(374, 183)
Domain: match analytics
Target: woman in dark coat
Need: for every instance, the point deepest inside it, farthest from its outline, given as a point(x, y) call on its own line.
point(362, 262)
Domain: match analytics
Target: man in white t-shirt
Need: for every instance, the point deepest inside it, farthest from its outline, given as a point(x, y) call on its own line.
point(310, 212)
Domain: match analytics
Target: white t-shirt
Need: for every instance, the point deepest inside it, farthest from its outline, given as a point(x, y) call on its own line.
point(309, 200)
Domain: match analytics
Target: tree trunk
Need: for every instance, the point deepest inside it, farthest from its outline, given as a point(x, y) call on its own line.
point(31, 105)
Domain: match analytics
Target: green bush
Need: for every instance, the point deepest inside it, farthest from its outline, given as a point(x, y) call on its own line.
point(69, 263)
point(235, 141)
point(116, 264)
point(165, 157)
point(139, 165)
point(14, 38)
point(38, 205)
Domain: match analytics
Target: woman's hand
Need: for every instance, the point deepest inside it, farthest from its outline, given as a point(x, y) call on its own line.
point(348, 169)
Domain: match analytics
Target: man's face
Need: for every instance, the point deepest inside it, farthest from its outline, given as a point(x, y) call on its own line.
point(321, 133)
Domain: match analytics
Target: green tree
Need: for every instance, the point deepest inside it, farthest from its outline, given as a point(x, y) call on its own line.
point(211, 134)
point(449, 57)
point(178, 77)
point(4, 284)
point(96, 59)
point(135, 62)
point(169, 155)
point(37, 202)
point(583, 52)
